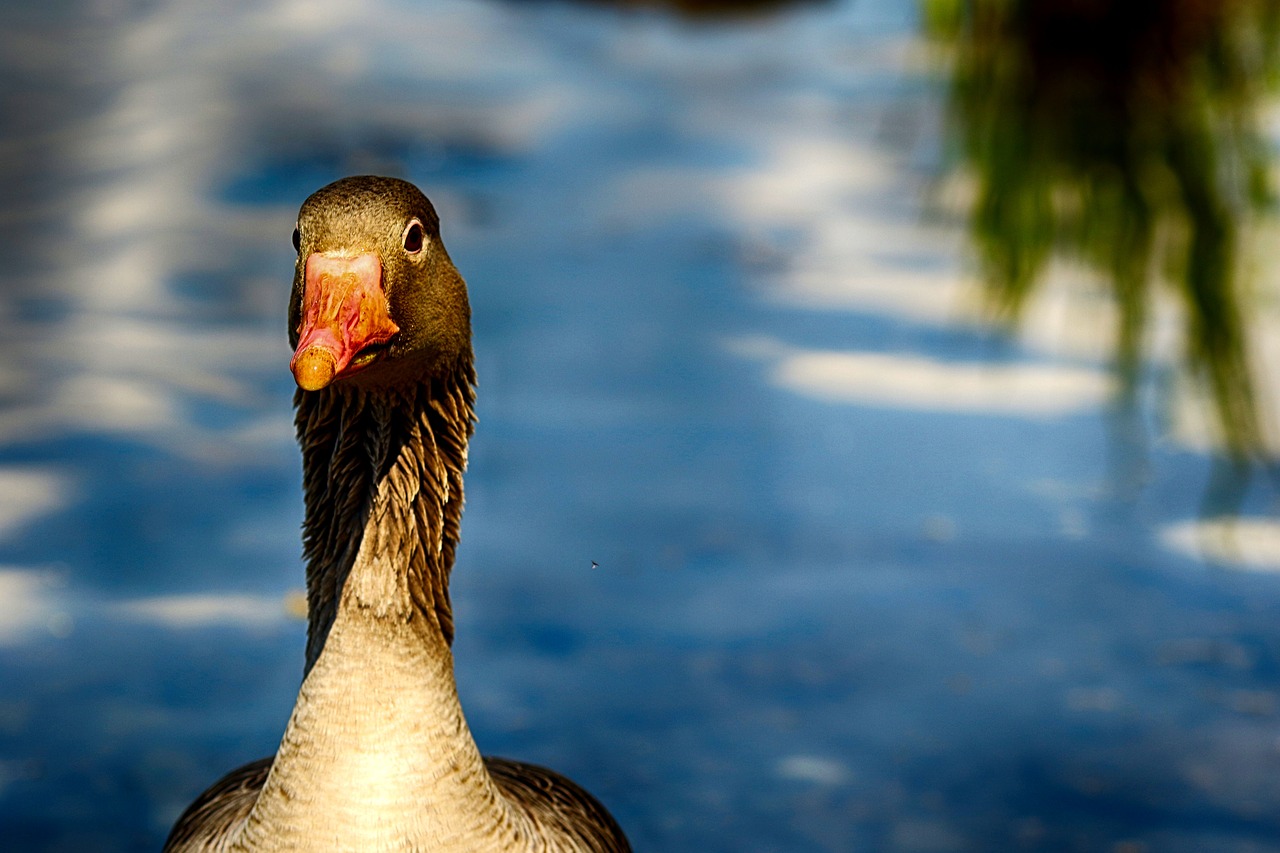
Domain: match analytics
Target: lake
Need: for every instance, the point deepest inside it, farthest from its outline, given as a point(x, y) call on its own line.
point(768, 543)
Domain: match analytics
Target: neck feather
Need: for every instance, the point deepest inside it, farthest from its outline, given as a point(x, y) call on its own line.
point(382, 478)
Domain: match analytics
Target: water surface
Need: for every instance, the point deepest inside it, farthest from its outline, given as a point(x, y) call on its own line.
point(869, 577)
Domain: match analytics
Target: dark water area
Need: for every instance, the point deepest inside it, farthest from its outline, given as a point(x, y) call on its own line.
point(867, 575)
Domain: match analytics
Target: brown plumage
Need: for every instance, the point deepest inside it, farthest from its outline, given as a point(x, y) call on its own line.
point(377, 754)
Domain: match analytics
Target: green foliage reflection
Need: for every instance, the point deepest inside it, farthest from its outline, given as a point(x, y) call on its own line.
point(1122, 134)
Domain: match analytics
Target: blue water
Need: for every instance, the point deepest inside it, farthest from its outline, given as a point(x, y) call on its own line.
point(831, 611)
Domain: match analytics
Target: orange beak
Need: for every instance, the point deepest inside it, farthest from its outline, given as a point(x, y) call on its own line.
point(345, 313)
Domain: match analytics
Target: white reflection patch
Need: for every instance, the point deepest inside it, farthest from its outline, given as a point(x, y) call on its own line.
point(28, 494)
point(1252, 544)
point(206, 611)
point(812, 768)
point(924, 384)
point(116, 404)
point(29, 603)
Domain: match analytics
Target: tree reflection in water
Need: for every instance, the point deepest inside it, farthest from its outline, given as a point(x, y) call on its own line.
point(1124, 135)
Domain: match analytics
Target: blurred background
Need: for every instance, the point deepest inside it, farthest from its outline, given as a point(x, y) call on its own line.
point(902, 364)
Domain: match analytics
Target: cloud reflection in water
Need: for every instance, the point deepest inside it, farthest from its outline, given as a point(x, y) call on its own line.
point(806, 616)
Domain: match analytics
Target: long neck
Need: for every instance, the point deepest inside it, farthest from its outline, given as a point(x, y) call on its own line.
point(377, 752)
point(384, 466)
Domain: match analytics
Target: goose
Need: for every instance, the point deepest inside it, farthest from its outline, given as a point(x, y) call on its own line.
point(377, 754)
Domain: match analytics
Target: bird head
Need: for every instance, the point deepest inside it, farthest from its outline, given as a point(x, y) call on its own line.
point(376, 299)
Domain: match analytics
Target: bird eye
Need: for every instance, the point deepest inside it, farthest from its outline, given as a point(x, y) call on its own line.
point(414, 237)
point(297, 240)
